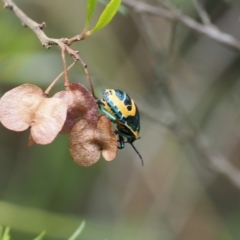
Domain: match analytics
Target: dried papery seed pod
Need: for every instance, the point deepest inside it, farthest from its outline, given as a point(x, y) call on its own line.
point(18, 106)
point(48, 120)
point(81, 105)
point(31, 141)
point(108, 138)
point(87, 142)
point(82, 150)
point(26, 106)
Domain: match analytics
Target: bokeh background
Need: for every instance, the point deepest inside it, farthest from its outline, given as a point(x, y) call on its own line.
point(187, 88)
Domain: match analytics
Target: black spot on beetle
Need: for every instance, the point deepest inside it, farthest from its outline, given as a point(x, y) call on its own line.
point(127, 101)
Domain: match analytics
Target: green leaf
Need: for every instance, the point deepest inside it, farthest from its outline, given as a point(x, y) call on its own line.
point(6, 235)
point(91, 5)
point(107, 15)
point(122, 8)
point(1, 232)
point(78, 231)
point(40, 236)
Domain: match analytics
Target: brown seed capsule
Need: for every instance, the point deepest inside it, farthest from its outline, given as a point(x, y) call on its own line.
point(88, 142)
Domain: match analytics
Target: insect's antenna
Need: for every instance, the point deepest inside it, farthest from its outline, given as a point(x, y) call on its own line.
point(137, 153)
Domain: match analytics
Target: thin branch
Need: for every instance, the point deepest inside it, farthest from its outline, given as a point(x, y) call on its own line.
point(175, 15)
point(56, 79)
point(66, 79)
point(38, 30)
point(218, 162)
point(88, 77)
point(76, 38)
point(223, 166)
point(202, 13)
point(191, 135)
point(63, 43)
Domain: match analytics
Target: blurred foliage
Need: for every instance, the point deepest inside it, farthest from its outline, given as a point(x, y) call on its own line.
point(78, 231)
point(175, 76)
point(5, 233)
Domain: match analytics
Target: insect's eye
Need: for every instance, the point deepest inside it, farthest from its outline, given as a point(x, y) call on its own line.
point(107, 93)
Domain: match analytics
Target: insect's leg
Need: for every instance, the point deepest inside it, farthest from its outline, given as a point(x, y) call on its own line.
point(122, 135)
point(120, 140)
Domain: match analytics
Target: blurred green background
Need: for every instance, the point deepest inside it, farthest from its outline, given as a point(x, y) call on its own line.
point(187, 88)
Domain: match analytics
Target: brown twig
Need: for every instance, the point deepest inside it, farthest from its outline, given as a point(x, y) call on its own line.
point(65, 70)
point(37, 28)
point(76, 38)
point(174, 15)
point(34, 26)
point(63, 43)
point(88, 76)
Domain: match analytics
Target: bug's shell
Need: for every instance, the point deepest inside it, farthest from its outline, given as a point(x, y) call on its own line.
point(121, 109)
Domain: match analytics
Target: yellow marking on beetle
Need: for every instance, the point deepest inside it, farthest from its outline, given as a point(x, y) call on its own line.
point(120, 104)
point(135, 133)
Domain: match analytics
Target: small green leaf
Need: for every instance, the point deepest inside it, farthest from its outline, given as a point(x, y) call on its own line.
point(122, 8)
point(78, 231)
point(107, 15)
point(91, 5)
point(40, 236)
point(6, 235)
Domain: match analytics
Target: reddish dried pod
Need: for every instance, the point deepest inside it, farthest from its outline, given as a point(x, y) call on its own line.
point(81, 105)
